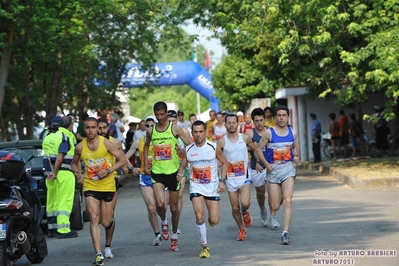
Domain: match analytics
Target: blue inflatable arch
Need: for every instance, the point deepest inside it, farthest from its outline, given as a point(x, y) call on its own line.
point(176, 73)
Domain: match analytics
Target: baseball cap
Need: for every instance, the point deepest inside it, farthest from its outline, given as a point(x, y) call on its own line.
point(180, 112)
point(56, 120)
point(172, 113)
point(151, 117)
point(239, 113)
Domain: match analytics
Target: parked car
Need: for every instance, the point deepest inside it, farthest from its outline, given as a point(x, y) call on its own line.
point(35, 167)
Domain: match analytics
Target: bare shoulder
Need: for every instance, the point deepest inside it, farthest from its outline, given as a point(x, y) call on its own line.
point(220, 143)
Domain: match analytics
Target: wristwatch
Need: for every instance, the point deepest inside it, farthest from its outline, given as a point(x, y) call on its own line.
point(108, 171)
point(222, 180)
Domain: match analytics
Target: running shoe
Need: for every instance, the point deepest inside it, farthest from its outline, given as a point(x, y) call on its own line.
point(174, 245)
point(165, 230)
point(157, 240)
point(108, 253)
point(263, 218)
point(285, 240)
point(205, 253)
point(242, 236)
point(99, 260)
point(178, 230)
point(273, 222)
point(247, 219)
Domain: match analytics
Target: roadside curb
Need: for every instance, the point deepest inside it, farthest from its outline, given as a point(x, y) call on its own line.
point(351, 180)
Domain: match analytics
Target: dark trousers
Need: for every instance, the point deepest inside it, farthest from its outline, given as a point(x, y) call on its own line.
point(316, 150)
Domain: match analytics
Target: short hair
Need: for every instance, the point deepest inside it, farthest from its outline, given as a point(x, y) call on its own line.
point(102, 120)
point(219, 113)
point(312, 115)
point(230, 115)
point(158, 106)
point(198, 123)
point(332, 116)
point(191, 115)
point(257, 112)
point(282, 107)
point(90, 118)
point(65, 121)
point(268, 108)
point(352, 116)
point(212, 111)
point(341, 112)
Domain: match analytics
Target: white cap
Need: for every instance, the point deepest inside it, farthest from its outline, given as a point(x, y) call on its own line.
point(239, 113)
point(151, 117)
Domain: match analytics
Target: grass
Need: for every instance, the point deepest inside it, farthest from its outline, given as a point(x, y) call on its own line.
point(371, 168)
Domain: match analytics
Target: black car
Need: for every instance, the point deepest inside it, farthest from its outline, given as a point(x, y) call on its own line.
point(35, 167)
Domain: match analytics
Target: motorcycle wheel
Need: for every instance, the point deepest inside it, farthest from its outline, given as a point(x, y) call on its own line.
point(327, 152)
point(33, 256)
point(76, 218)
point(4, 258)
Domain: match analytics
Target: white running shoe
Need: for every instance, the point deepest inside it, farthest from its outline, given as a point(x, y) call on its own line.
point(108, 253)
point(157, 240)
point(263, 218)
point(273, 222)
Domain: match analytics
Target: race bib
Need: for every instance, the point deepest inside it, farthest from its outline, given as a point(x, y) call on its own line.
point(92, 170)
point(202, 174)
point(281, 155)
point(163, 152)
point(235, 169)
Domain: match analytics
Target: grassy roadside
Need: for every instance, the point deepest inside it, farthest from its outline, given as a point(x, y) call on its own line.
point(371, 168)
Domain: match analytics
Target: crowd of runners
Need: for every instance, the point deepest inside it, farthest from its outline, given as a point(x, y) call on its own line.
point(229, 152)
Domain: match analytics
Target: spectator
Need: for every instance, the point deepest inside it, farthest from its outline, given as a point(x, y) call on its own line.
point(119, 127)
point(47, 124)
point(355, 132)
point(334, 129)
point(316, 137)
point(80, 131)
point(344, 131)
point(180, 120)
point(129, 135)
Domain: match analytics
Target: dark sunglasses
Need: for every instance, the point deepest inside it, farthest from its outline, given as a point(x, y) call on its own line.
point(147, 125)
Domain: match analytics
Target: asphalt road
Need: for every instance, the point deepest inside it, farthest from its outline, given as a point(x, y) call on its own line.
point(328, 217)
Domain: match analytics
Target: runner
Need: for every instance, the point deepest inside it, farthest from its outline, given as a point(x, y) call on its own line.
point(145, 180)
point(209, 125)
point(256, 171)
point(219, 129)
point(204, 182)
point(269, 119)
point(234, 146)
point(98, 155)
point(103, 130)
point(282, 153)
point(166, 169)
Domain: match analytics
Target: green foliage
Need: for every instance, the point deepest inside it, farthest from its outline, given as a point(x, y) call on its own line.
point(343, 50)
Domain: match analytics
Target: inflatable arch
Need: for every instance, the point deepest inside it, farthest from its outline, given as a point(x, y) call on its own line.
point(176, 73)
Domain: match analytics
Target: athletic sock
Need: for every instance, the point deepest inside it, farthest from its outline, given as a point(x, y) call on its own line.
point(201, 229)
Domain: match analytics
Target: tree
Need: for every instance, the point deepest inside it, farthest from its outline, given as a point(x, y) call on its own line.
point(344, 50)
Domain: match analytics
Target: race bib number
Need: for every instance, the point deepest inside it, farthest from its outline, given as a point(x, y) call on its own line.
point(235, 169)
point(3, 231)
point(92, 170)
point(202, 174)
point(163, 152)
point(281, 155)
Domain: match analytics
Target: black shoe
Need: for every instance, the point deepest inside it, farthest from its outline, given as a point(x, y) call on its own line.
point(71, 234)
point(51, 232)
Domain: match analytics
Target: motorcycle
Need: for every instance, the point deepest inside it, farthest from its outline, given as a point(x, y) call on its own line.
point(21, 212)
point(369, 144)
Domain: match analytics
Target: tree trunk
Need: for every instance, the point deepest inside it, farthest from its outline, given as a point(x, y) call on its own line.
point(4, 67)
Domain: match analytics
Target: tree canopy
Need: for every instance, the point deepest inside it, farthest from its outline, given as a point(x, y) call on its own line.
point(343, 50)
